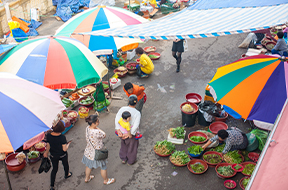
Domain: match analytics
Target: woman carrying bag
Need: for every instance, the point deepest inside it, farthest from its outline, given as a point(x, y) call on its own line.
point(95, 154)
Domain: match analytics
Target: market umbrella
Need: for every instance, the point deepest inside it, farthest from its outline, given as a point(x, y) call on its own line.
point(54, 62)
point(6, 47)
point(254, 88)
point(99, 18)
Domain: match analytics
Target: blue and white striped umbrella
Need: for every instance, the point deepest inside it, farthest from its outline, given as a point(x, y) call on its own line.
point(208, 18)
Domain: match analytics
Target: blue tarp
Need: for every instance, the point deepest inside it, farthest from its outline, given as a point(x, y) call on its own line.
point(214, 4)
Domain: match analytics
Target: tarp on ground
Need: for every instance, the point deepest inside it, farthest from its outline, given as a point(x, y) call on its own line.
point(271, 170)
point(208, 18)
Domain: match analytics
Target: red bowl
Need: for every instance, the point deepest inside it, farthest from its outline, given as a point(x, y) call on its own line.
point(105, 82)
point(156, 54)
point(230, 181)
point(239, 170)
point(223, 119)
point(120, 75)
point(234, 163)
point(268, 44)
point(145, 49)
point(253, 156)
point(193, 106)
point(13, 164)
point(241, 181)
point(177, 164)
point(194, 161)
point(212, 152)
point(162, 155)
point(216, 126)
point(129, 65)
point(41, 150)
point(193, 98)
point(197, 133)
point(138, 61)
point(84, 98)
point(223, 176)
point(246, 163)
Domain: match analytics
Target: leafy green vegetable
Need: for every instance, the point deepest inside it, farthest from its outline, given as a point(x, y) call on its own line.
point(197, 138)
point(212, 158)
point(180, 157)
point(164, 147)
point(248, 169)
point(88, 100)
point(245, 182)
point(153, 56)
point(178, 132)
point(237, 167)
point(233, 157)
point(218, 148)
point(195, 149)
point(245, 154)
point(33, 154)
point(105, 86)
point(197, 167)
point(225, 170)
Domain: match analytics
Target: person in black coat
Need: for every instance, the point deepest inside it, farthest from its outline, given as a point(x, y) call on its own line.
point(178, 47)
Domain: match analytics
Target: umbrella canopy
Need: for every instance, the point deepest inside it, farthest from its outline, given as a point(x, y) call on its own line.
point(26, 110)
point(255, 87)
point(6, 47)
point(99, 18)
point(54, 62)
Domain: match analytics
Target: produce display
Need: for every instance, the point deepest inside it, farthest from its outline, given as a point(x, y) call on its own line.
point(105, 86)
point(187, 108)
point(245, 154)
point(151, 49)
point(233, 157)
point(177, 132)
point(33, 154)
point(67, 102)
point(179, 157)
point(225, 170)
point(88, 100)
point(197, 167)
point(248, 169)
point(270, 46)
point(83, 110)
point(164, 147)
point(218, 148)
point(212, 158)
point(197, 139)
point(237, 167)
point(245, 182)
point(74, 96)
point(153, 56)
point(195, 149)
point(20, 157)
point(229, 184)
point(39, 145)
point(72, 114)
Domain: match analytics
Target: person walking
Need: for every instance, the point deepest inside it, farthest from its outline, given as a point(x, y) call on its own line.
point(129, 146)
point(130, 89)
point(57, 146)
point(178, 48)
point(94, 139)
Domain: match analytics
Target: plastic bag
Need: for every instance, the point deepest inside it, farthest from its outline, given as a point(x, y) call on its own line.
point(44, 166)
point(261, 137)
point(246, 42)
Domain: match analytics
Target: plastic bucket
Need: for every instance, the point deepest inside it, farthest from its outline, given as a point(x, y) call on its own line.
point(194, 98)
point(189, 118)
point(201, 119)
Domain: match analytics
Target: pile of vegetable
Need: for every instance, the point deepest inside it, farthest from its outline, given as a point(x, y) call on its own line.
point(197, 167)
point(212, 158)
point(164, 147)
point(245, 182)
point(237, 167)
point(245, 154)
point(74, 96)
point(248, 169)
point(177, 132)
point(225, 170)
point(105, 86)
point(33, 154)
point(67, 102)
point(153, 56)
point(179, 157)
point(187, 108)
point(151, 49)
point(218, 148)
point(229, 184)
point(197, 139)
point(88, 100)
point(233, 157)
point(195, 149)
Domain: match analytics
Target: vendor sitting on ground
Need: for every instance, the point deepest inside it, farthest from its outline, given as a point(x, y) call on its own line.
point(130, 89)
point(235, 139)
point(281, 47)
point(146, 65)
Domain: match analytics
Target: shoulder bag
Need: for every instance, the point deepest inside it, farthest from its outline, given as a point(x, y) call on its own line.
point(101, 154)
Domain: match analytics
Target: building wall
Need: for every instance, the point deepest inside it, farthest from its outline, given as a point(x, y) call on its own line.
point(21, 9)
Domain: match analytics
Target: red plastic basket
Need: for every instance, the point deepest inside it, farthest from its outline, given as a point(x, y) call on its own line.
point(197, 133)
point(194, 161)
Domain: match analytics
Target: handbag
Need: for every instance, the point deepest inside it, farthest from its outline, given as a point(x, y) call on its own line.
point(139, 72)
point(45, 165)
point(101, 154)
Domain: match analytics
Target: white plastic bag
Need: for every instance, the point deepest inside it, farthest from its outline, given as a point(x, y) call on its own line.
point(246, 42)
point(185, 45)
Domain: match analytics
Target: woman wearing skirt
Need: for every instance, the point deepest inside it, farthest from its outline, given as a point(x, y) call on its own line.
point(94, 139)
point(178, 47)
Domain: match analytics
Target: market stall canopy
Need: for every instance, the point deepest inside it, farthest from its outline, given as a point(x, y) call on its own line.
point(54, 62)
point(26, 110)
point(271, 170)
point(254, 87)
point(99, 18)
point(208, 18)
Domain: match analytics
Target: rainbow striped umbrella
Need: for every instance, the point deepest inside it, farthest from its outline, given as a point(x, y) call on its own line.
point(99, 18)
point(54, 62)
point(254, 88)
point(26, 110)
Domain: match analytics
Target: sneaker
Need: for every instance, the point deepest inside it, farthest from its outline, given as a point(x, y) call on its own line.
point(178, 69)
point(144, 76)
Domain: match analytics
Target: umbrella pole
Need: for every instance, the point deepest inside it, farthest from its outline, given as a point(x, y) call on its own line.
point(129, 6)
point(7, 176)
